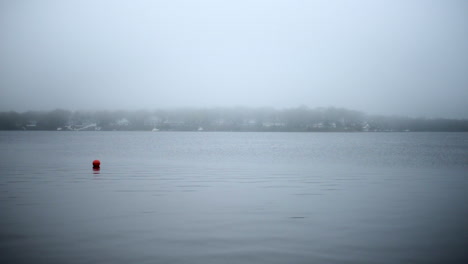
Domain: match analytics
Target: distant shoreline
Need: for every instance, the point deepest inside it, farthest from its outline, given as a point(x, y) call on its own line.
point(227, 131)
point(300, 119)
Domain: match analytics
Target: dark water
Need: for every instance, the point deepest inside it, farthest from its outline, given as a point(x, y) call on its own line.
point(233, 197)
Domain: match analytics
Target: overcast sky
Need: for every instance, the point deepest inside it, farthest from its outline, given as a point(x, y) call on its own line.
point(407, 57)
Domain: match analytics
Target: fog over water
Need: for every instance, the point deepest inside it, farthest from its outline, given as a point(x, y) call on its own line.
point(380, 57)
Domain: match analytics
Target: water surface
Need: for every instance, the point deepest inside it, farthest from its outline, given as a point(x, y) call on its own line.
point(182, 197)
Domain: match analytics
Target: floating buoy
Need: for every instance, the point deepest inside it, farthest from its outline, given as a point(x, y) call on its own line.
point(96, 164)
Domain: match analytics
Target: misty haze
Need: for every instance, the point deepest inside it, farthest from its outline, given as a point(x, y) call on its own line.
point(379, 57)
point(242, 131)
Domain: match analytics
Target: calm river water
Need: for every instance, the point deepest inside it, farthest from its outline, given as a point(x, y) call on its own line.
point(182, 197)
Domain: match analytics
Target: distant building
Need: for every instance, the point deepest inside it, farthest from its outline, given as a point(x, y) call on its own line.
point(318, 125)
point(123, 122)
point(31, 124)
point(249, 122)
point(366, 127)
point(273, 124)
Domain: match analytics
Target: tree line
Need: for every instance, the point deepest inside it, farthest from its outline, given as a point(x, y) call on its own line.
point(299, 119)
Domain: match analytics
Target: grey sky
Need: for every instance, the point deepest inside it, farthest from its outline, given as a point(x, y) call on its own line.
point(383, 57)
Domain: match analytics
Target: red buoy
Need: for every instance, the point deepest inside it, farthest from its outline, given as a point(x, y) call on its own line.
point(96, 163)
